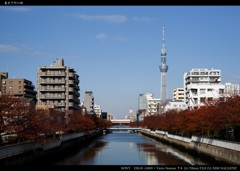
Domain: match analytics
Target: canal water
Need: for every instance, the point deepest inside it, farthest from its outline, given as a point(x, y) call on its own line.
point(128, 149)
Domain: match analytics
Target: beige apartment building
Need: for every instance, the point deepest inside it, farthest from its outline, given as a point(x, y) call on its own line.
point(89, 102)
point(178, 94)
point(58, 87)
point(19, 88)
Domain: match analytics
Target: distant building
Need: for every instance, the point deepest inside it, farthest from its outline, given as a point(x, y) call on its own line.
point(147, 105)
point(153, 106)
point(178, 94)
point(232, 89)
point(175, 105)
point(58, 87)
point(202, 85)
point(89, 102)
point(131, 115)
point(104, 115)
point(109, 116)
point(97, 110)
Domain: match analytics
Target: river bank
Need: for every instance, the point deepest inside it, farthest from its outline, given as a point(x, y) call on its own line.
point(222, 151)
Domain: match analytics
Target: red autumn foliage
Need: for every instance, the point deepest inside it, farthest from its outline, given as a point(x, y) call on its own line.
point(217, 117)
point(36, 125)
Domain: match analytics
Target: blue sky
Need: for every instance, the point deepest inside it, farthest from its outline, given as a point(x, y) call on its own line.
point(116, 49)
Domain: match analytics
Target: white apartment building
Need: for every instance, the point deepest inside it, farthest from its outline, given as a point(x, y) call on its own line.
point(97, 110)
point(147, 104)
point(176, 105)
point(178, 94)
point(153, 105)
point(202, 85)
point(231, 89)
point(131, 115)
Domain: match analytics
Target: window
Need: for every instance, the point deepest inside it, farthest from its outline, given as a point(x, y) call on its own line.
point(202, 91)
point(10, 82)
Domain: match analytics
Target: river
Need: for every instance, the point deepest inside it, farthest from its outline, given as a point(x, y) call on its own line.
point(128, 149)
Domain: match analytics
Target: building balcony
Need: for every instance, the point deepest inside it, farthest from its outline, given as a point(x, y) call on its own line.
point(77, 93)
point(71, 74)
point(71, 96)
point(60, 104)
point(29, 95)
point(30, 91)
point(71, 104)
point(71, 82)
point(52, 82)
point(71, 89)
point(77, 100)
point(52, 74)
point(53, 89)
point(52, 97)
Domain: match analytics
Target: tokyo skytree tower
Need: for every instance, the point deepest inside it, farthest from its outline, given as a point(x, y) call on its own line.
point(163, 68)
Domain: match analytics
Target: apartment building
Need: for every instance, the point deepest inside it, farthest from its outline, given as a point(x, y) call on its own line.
point(19, 88)
point(97, 110)
point(178, 105)
point(58, 87)
point(202, 85)
point(232, 89)
point(148, 105)
point(89, 102)
point(178, 94)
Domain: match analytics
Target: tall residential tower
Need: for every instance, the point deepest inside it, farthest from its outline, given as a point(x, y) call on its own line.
point(163, 68)
point(58, 87)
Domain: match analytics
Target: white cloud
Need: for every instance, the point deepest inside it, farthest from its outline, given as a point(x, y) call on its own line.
point(21, 49)
point(101, 36)
point(144, 19)
point(17, 9)
point(121, 38)
point(108, 18)
point(9, 48)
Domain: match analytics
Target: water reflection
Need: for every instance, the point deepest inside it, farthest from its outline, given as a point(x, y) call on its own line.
point(129, 149)
point(160, 154)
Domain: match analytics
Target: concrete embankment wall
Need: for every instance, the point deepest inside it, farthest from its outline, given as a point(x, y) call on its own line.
point(227, 152)
point(33, 153)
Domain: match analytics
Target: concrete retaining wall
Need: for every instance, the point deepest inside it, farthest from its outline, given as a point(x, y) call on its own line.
point(31, 152)
point(228, 152)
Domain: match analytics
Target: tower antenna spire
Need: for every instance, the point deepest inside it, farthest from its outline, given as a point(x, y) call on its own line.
point(163, 69)
point(163, 41)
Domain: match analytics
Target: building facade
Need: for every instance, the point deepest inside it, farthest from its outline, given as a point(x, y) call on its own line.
point(201, 85)
point(178, 94)
point(178, 105)
point(58, 87)
point(89, 102)
point(232, 89)
point(18, 87)
point(147, 105)
point(97, 110)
